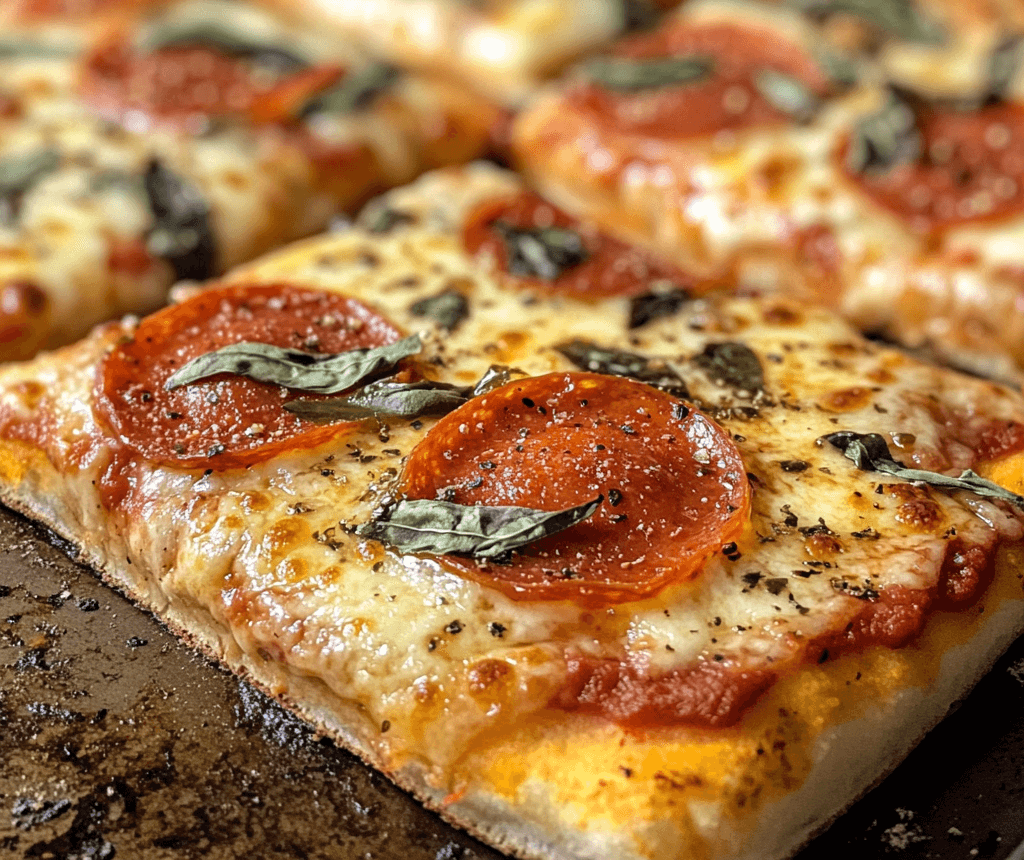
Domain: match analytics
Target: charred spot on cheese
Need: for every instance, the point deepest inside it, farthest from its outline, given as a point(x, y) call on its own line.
point(182, 232)
point(536, 245)
point(225, 421)
point(447, 308)
point(556, 443)
point(19, 172)
point(688, 79)
point(734, 365)
point(614, 362)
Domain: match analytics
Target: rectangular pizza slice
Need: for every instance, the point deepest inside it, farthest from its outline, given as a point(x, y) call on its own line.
point(501, 48)
point(590, 566)
point(186, 141)
point(867, 157)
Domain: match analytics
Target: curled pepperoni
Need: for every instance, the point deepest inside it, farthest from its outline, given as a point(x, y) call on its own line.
point(184, 85)
point(971, 168)
point(597, 267)
point(674, 485)
point(727, 98)
point(226, 421)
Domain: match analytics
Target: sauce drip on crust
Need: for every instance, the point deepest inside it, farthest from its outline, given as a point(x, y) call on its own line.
point(674, 485)
point(726, 98)
point(226, 421)
point(577, 260)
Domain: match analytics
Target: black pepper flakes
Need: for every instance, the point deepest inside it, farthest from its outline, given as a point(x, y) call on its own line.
point(453, 627)
point(495, 629)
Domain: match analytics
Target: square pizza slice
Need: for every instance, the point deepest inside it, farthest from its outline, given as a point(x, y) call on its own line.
point(186, 141)
point(748, 141)
point(589, 582)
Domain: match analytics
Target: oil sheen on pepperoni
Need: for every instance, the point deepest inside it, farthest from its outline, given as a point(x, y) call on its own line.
point(674, 485)
point(226, 421)
point(180, 85)
point(611, 268)
point(971, 169)
point(727, 99)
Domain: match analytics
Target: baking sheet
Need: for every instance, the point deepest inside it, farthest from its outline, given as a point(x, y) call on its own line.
point(118, 741)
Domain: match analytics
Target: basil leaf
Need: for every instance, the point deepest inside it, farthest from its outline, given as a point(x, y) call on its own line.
point(20, 171)
point(788, 94)
point(23, 49)
point(887, 138)
point(356, 91)
point(734, 365)
point(589, 356)
point(655, 305)
point(629, 76)
point(386, 399)
point(900, 18)
point(224, 39)
point(447, 309)
point(869, 452)
point(384, 219)
point(182, 233)
point(540, 252)
point(1003, 66)
point(480, 531)
point(496, 376)
point(318, 374)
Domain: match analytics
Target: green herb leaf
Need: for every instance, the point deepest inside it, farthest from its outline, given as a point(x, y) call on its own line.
point(447, 309)
point(734, 365)
point(12, 48)
point(629, 76)
point(1003, 66)
point(224, 39)
point(887, 138)
point(318, 374)
point(182, 233)
point(790, 95)
point(589, 356)
point(384, 399)
point(20, 171)
point(900, 18)
point(378, 218)
point(480, 531)
point(869, 452)
point(356, 91)
point(655, 305)
point(541, 252)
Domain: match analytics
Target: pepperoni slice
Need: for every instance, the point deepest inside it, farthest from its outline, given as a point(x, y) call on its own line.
point(593, 266)
point(728, 97)
point(183, 85)
point(971, 169)
point(674, 484)
point(226, 421)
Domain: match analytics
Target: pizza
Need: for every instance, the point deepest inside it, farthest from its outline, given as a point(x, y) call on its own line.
point(185, 140)
point(501, 48)
point(593, 560)
point(862, 156)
